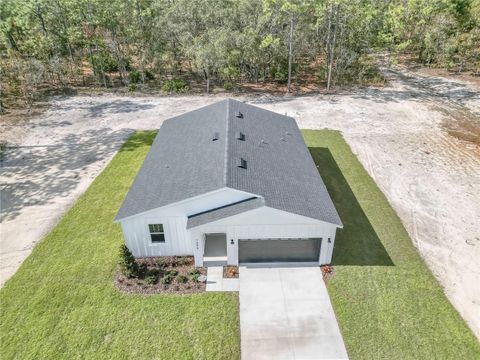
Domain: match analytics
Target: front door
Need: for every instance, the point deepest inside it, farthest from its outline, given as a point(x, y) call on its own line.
point(215, 246)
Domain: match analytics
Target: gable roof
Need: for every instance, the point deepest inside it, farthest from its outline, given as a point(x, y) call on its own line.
point(184, 161)
point(223, 212)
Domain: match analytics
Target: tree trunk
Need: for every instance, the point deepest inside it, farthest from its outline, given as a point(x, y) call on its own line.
point(92, 61)
point(290, 55)
point(332, 49)
point(142, 41)
point(327, 40)
point(207, 79)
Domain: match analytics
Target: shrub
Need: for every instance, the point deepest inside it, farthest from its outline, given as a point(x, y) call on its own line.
point(167, 279)
point(175, 85)
point(152, 272)
point(227, 85)
point(195, 277)
point(132, 87)
point(134, 76)
point(194, 271)
point(172, 272)
point(161, 263)
point(127, 262)
point(182, 279)
point(142, 269)
point(151, 279)
point(148, 75)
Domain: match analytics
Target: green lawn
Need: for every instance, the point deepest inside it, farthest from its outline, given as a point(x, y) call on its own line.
point(388, 304)
point(62, 304)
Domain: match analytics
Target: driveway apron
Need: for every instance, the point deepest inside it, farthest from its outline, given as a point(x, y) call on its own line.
point(286, 313)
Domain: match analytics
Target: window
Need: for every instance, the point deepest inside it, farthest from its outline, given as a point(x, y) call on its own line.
point(156, 233)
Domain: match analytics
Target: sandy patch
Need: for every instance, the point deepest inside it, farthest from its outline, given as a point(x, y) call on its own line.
point(416, 138)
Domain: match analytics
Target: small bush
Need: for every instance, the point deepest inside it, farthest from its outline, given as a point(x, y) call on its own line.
point(152, 272)
point(175, 86)
point(172, 272)
point(134, 76)
point(227, 85)
point(167, 279)
point(148, 75)
point(132, 87)
point(195, 277)
point(162, 262)
point(127, 262)
point(182, 279)
point(194, 271)
point(151, 279)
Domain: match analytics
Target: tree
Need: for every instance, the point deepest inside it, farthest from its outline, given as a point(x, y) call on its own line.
point(127, 262)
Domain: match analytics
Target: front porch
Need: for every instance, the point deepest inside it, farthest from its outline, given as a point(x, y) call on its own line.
point(215, 253)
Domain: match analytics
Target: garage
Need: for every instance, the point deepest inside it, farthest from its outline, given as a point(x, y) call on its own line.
point(279, 250)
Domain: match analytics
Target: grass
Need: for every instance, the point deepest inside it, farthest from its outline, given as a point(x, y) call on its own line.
point(62, 304)
point(388, 304)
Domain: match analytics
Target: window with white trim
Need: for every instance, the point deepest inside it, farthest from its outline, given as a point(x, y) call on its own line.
point(156, 233)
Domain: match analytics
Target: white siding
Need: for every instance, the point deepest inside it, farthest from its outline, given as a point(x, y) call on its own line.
point(174, 220)
point(137, 236)
point(266, 223)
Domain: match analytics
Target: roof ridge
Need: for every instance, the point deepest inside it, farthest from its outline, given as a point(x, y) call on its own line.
point(227, 126)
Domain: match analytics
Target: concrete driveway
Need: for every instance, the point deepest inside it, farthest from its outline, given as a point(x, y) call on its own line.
point(285, 313)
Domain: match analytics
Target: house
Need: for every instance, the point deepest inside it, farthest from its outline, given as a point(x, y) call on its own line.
point(230, 183)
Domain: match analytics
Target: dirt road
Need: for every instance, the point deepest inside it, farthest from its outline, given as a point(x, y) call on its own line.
point(418, 138)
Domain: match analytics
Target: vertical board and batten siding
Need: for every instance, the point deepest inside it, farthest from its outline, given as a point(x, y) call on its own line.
point(174, 220)
point(266, 223)
point(177, 240)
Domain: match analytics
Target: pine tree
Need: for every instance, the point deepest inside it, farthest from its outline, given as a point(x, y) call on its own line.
point(127, 262)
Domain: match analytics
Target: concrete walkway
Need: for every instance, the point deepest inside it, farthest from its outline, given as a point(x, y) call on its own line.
point(285, 313)
point(216, 282)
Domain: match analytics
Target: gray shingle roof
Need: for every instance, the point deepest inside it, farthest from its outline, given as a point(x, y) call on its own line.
point(184, 162)
point(224, 212)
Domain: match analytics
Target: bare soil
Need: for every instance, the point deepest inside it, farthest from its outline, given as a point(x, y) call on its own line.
point(161, 266)
point(417, 138)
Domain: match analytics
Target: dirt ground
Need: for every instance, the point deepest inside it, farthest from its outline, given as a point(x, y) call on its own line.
point(418, 138)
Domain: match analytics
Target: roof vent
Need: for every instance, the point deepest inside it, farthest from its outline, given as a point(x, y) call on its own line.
point(239, 115)
point(216, 136)
point(240, 136)
point(288, 133)
point(242, 163)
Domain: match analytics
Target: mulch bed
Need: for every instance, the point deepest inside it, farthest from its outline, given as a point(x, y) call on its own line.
point(161, 266)
point(230, 272)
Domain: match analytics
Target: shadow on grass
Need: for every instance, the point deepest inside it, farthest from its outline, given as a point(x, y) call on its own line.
point(357, 243)
point(138, 139)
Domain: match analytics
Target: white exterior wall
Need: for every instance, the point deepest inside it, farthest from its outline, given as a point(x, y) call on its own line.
point(137, 236)
point(264, 223)
point(174, 220)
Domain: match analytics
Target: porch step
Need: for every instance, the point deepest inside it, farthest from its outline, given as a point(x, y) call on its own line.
point(214, 261)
